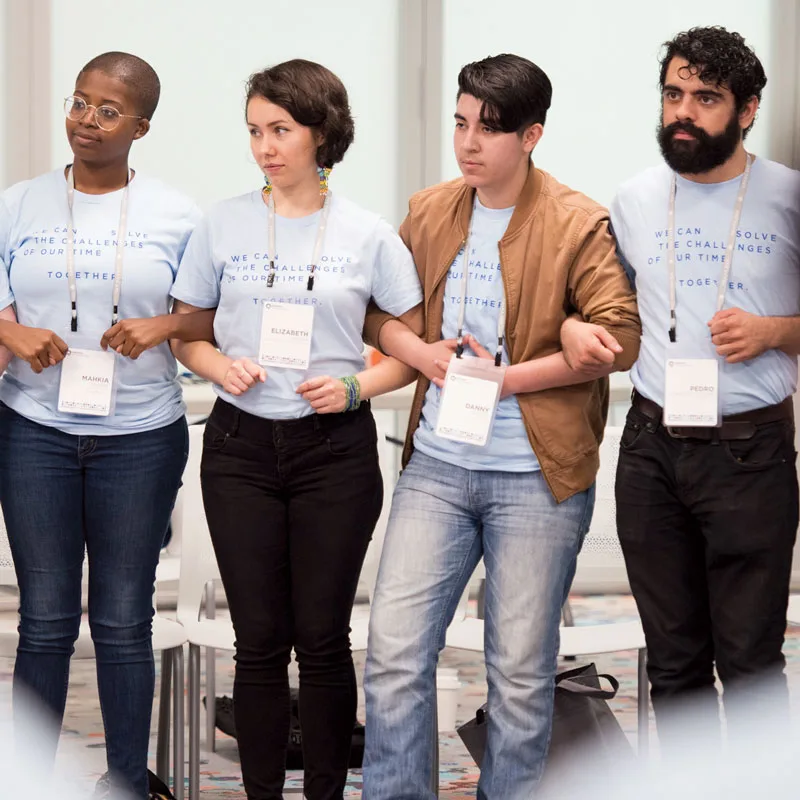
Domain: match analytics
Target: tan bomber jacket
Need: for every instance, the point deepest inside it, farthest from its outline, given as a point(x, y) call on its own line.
point(557, 257)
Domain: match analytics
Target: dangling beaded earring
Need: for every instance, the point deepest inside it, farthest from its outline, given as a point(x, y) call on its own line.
point(324, 172)
point(267, 190)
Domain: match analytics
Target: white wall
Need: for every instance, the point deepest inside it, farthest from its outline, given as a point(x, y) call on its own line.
point(3, 78)
point(602, 60)
point(204, 50)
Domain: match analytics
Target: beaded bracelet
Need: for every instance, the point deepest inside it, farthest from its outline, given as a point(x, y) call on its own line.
point(353, 389)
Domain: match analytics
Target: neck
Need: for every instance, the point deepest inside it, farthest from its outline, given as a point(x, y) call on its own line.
point(299, 200)
point(99, 178)
point(506, 195)
point(731, 169)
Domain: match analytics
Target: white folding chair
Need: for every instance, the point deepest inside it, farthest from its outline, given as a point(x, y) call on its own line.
point(793, 612)
point(168, 638)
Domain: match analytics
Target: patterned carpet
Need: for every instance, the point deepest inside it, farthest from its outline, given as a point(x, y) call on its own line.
point(220, 775)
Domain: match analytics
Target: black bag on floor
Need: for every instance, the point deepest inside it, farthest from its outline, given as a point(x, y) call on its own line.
point(294, 752)
point(158, 790)
point(582, 720)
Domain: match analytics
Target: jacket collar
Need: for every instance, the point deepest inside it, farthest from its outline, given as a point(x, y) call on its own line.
point(523, 208)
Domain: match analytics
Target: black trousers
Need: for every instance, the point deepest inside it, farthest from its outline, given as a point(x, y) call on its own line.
point(708, 530)
point(291, 506)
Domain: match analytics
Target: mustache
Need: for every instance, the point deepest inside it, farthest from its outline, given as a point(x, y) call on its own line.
point(688, 127)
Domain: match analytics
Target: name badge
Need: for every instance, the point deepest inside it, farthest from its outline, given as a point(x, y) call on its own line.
point(691, 396)
point(285, 337)
point(87, 382)
point(469, 400)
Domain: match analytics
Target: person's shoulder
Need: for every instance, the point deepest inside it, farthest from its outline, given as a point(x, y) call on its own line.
point(160, 195)
point(231, 209)
point(641, 185)
point(346, 211)
point(775, 175)
point(44, 184)
point(438, 195)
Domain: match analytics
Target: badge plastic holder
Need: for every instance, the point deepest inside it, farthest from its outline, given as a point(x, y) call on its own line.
point(281, 350)
point(99, 398)
point(691, 387)
point(470, 396)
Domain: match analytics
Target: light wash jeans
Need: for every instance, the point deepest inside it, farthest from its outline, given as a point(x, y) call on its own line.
point(444, 519)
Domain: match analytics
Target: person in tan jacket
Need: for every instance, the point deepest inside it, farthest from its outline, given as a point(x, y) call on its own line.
point(501, 464)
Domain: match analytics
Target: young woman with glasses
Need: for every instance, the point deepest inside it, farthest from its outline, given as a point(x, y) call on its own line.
point(93, 437)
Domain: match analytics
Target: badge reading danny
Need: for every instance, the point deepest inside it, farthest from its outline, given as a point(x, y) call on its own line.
point(469, 400)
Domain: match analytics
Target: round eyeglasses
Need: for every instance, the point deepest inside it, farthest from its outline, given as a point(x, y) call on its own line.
point(106, 117)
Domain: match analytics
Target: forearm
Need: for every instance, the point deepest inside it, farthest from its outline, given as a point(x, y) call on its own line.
point(197, 326)
point(7, 315)
point(548, 372)
point(386, 376)
point(785, 334)
point(202, 358)
point(397, 340)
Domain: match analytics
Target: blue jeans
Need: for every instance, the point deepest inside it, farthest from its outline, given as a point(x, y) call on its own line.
point(444, 519)
point(112, 495)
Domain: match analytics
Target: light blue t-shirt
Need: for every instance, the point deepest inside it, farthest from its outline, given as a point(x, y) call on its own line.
point(764, 277)
point(226, 267)
point(34, 219)
point(508, 449)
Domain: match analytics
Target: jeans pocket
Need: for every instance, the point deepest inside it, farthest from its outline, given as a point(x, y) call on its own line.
point(354, 436)
point(214, 438)
point(635, 423)
point(770, 446)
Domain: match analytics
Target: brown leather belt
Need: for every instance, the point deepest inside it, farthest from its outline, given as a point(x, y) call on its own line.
point(737, 426)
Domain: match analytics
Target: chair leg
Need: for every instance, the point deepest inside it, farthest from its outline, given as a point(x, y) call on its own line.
point(643, 709)
point(162, 746)
point(194, 722)
point(179, 733)
point(211, 674)
point(566, 615)
point(211, 699)
point(435, 753)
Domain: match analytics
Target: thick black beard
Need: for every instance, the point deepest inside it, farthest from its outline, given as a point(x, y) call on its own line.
point(705, 153)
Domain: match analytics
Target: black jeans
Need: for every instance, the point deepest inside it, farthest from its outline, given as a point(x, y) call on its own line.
point(708, 530)
point(291, 506)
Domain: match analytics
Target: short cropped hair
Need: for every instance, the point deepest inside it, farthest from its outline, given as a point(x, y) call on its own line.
point(315, 97)
point(515, 92)
point(135, 73)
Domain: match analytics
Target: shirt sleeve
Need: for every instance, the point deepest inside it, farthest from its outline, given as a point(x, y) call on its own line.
point(395, 283)
point(6, 296)
point(200, 273)
point(617, 228)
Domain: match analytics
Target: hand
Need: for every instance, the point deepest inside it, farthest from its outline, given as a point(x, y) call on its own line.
point(740, 336)
point(432, 356)
point(40, 347)
point(587, 348)
point(325, 394)
point(131, 337)
point(241, 375)
point(481, 352)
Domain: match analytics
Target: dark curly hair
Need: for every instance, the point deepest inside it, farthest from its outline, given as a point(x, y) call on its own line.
point(720, 57)
point(515, 92)
point(315, 97)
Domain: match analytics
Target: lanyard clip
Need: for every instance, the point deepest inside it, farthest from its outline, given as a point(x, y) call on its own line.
point(459, 345)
